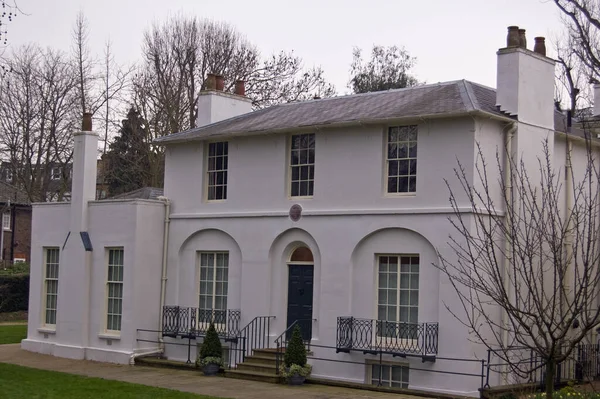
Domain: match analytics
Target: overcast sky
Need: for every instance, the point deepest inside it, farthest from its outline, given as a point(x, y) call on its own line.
point(454, 39)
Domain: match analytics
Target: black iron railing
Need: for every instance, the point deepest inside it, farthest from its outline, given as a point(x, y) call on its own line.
point(255, 335)
point(282, 341)
point(186, 322)
point(526, 366)
point(377, 336)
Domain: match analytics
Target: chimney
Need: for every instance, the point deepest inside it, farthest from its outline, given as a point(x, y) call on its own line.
point(211, 82)
point(522, 39)
point(525, 81)
point(540, 46)
point(240, 88)
point(83, 185)
point(215, 105)
point(220, 82)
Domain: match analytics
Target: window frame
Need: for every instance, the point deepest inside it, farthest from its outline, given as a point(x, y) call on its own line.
point(204, 324)
point(391, 340)
point(45, 280)
point(107, 289)
point(386, 160)
point(290, 167)
point(9, 175)
point(369, 364)
point(207, 172)
point(52, 174)
point(7, 215)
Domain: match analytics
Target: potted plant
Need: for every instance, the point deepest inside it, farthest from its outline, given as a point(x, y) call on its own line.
point(210, 352)
point(294, 367)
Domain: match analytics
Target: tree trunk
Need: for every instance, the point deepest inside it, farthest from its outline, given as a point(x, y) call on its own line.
point(550, 371)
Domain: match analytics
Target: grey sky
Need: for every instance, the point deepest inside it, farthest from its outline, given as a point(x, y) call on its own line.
point(452, 39)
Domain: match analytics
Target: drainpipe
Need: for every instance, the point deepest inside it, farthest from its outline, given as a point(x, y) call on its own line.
point(507, 248)
point(163, 282)
point(568, 206)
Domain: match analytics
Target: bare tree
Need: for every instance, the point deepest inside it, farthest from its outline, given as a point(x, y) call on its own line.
point(37, 118)
point(572, 77)
point(582, 19)
point(530, 254)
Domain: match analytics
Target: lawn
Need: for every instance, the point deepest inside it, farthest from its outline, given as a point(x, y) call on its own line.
point(12, 334)
point(18, 382)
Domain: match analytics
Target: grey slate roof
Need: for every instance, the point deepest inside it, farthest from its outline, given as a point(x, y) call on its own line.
point(440, 99)
point(151, 193)
point(13, 194)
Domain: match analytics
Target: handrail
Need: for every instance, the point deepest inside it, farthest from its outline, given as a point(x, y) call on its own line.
point(281, 341)
point(255, 335)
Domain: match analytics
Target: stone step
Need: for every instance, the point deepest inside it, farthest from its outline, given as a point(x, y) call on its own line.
point(261, 368)
point(252, 375)
point(271, 353)
point(259, 359)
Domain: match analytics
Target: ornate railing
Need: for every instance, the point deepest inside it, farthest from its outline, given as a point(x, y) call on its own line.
point(186, 322)
point(391, 337)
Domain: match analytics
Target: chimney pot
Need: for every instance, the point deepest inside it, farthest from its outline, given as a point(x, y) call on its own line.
point(512, 38)
point(220, 82)
point(522, 39)
point(211, 82)
point(540, 46)
point(86, 124)
point(240, 88)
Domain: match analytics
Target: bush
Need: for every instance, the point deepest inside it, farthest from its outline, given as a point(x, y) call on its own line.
point(14, 293)
point(211, 346)
point(295, 353)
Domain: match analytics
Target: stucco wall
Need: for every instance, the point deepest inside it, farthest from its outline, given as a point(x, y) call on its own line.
point(137, 226)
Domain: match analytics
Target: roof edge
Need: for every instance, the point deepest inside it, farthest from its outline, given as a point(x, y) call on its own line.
point(342, 124)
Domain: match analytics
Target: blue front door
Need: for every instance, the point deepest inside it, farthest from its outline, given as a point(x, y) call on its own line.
point(300, 298)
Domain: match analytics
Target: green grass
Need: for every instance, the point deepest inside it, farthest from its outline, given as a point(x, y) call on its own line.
point(18, 382)
point(10, 334)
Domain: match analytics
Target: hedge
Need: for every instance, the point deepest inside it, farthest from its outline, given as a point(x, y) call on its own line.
point(14, 293)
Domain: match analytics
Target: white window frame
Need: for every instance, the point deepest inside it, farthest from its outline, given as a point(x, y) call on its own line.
point(403, 383)
point(411, 158)
point(116, 280)
point(6, 219)
point(401, 278)
point(201, 323)
point(46, 283)
point(308, 164)
point(224, 170)
point(55, 173)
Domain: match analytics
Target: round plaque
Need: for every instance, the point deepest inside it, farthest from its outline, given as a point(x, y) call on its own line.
point(295, 212)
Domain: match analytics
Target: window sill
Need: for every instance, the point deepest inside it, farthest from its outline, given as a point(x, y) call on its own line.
point(300, 197)
point(399, 195)
point(47, 330)
point(107, 335)
point(215, 201)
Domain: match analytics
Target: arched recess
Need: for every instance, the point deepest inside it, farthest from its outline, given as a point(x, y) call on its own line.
point(208, 241)
point(280, 258)
point(365, 271)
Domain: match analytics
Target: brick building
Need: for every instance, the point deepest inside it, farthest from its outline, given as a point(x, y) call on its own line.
point(15, 235)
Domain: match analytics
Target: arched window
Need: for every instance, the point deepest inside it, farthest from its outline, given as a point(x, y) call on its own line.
point(302, 255)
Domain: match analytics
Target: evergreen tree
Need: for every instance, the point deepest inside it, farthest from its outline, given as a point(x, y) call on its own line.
point(128, 158)
point(295, 353)
point(211, 347)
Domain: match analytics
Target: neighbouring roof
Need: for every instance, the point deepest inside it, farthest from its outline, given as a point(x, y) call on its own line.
point(13, 194)
point(440, 99)
point(151, 193)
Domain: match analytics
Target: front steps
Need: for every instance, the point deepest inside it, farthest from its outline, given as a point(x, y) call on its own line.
point(261, 366)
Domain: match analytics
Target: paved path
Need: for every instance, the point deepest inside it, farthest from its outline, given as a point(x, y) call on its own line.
point(183, 380)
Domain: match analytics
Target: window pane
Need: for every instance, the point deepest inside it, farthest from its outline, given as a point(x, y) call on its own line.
point(302, 158)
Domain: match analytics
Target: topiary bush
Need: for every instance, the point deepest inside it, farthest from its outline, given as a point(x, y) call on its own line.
point(295, 353)
point(211, 346)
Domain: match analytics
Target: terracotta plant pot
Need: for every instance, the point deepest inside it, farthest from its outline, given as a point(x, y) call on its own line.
point(210, 369)
point(296, 379)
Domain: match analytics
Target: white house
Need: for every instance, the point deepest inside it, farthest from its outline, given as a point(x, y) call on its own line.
point(326, 213)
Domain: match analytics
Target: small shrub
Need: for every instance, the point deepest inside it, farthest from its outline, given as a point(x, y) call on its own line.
point(294, 369)
point(508, 395)
point(295, 353)
point(211, 350)
point(14, 292)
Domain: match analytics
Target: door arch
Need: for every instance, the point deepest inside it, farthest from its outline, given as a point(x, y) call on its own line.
point(301, 271)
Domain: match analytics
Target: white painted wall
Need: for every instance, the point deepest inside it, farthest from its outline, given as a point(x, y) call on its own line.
point(135, 225)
